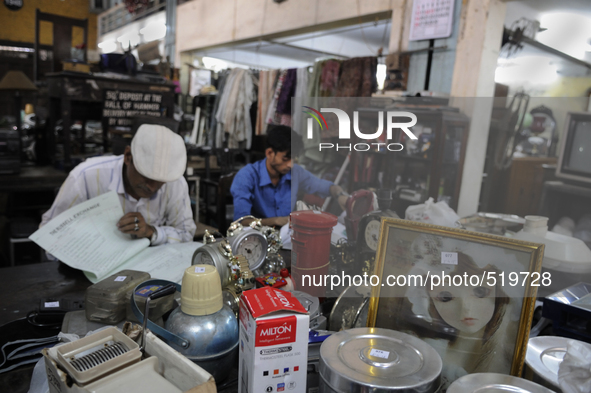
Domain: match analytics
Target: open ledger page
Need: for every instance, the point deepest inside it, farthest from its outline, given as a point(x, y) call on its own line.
point(166, 262)
point(86, 237)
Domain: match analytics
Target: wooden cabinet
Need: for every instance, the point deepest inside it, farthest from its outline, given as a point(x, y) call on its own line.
point(430, 166)
point(525, 185)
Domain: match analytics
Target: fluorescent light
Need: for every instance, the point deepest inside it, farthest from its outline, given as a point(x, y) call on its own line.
point(107, 46)
point(153, 31)
point(16, 49)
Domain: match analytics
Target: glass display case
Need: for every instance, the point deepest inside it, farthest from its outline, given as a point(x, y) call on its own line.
point(430, 166)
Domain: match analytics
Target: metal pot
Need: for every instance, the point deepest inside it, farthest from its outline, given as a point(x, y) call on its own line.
point(213, 339)
point(492, 382)
point(378, 360)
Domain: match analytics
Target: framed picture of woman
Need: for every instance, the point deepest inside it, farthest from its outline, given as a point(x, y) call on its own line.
point(470, 295)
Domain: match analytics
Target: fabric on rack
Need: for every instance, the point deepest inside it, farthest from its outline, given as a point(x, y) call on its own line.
point(311, 99)
point(272, 116)
point(358, 77)
point(266, 82)
point(299, 98)
point(329, 78)
point(211, 136)
point(233, 113)
point(287, 92)
point(324, 79)
point(220, 113)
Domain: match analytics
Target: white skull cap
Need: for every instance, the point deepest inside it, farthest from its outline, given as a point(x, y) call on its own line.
point(158, 153)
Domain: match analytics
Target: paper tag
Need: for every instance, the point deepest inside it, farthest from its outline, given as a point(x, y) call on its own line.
point(379, 353)
point(199, 269)
point(52, 304)
point(120, 278)
point(449, 258)
point(316, 212)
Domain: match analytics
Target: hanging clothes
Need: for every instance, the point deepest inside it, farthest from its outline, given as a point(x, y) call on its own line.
point(266, 83)
point(272, 116)
point(212, 134)
point(300, 96)
point(287, 92)
point(358, 77)
point(233, 114)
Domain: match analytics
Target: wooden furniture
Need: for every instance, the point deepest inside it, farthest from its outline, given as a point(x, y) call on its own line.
point(524, 186)
point(76, 96)
point(560, 199)
point(430, 167)
point(62, 38)
point(219, 213)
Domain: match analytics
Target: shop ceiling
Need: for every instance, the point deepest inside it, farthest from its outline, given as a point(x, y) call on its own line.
point(299, 50)
point(566, 27)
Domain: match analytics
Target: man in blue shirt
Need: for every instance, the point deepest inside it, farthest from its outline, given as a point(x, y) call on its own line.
point(269, 188)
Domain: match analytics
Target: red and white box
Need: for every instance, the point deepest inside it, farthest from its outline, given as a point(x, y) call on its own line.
point(273, 342)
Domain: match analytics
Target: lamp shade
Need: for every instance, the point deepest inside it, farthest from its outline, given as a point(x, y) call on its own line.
point(16, 80)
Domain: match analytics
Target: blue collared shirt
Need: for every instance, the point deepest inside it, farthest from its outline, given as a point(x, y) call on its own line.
point(255, 194)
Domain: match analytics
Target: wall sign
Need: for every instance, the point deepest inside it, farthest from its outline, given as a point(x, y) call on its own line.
point(14, 5)
point(120, 106)
point(431, 19)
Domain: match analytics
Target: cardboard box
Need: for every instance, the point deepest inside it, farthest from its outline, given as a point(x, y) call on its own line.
point(174, 367)
point(273, 342)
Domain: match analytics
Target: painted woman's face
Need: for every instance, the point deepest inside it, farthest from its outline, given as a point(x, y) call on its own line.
point(465, 308)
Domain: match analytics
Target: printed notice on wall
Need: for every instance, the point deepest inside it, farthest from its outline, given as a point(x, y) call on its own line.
point(120, 106)
point(431, 19)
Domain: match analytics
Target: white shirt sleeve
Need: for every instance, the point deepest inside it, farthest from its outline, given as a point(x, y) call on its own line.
point(179, 225)
point(69, 195)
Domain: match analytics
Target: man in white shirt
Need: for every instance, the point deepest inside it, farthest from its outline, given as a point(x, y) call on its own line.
point(148, 178)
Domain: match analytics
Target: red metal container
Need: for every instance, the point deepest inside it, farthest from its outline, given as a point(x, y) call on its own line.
point(311, 250)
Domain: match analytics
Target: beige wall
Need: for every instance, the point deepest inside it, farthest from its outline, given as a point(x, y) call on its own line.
point(19, 26)
point(206, 23)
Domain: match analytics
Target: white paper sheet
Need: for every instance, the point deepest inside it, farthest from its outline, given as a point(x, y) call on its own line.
point(86, 237)
point(166, 262)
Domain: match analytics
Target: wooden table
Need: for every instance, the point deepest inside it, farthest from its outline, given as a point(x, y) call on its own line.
point(24, 286)
point(32, 179)
point(22, 289)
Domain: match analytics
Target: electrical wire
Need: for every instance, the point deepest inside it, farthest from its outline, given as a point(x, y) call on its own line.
point(33, 315)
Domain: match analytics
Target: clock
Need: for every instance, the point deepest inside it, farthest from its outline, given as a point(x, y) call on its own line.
point(233, 269)
point(216, 254)
point(371, 234)
point(249, 242)
point(367, 243)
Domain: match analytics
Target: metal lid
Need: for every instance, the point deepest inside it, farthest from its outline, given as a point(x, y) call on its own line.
point(494, 383)
point(310, 303)
point(313, 219)
point(383, 359)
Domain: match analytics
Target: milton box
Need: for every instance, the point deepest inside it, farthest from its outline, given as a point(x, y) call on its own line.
point(273, 342)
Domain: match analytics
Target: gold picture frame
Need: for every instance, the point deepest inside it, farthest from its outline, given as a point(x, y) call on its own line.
point(477, 326)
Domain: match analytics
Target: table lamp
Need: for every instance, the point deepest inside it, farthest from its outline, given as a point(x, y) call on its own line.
point(17, 81)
